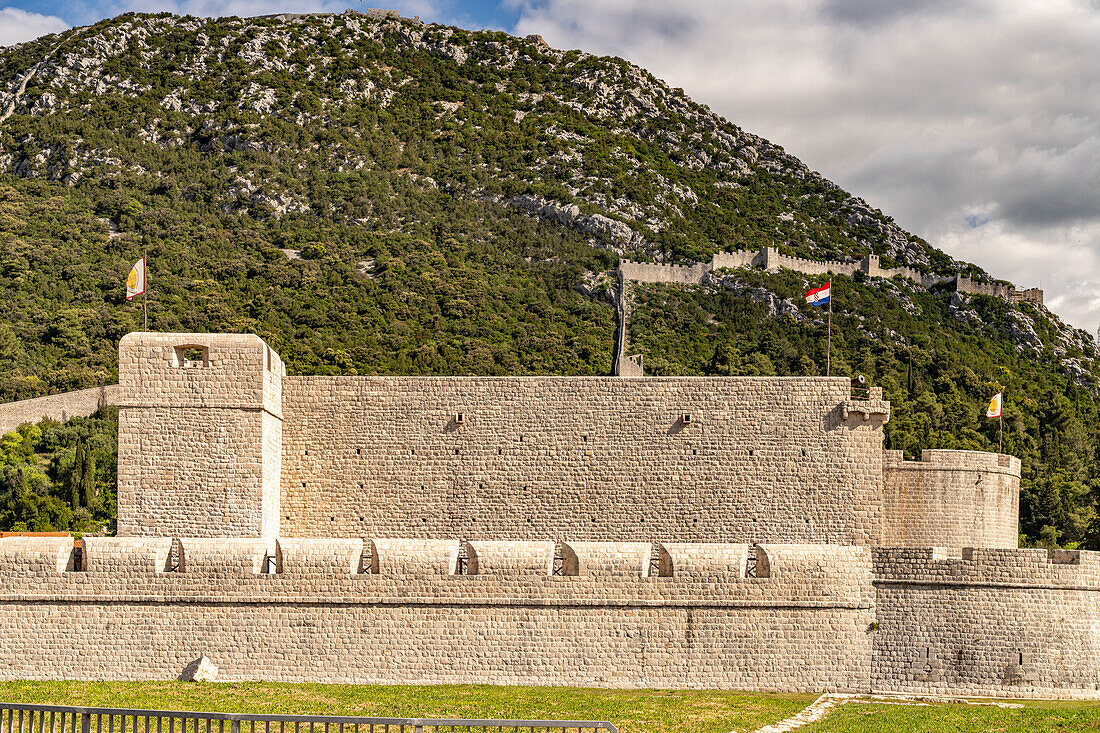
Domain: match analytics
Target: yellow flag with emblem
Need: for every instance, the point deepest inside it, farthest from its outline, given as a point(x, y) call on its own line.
point(994, 409)
point(135, 282)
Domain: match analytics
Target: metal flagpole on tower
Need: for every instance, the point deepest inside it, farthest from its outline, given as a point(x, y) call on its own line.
point(829, 336)
point(145, 295)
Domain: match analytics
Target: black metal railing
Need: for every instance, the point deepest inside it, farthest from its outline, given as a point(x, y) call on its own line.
point(24, 718)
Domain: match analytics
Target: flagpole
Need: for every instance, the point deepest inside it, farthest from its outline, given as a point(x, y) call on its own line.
point(1001, 424)
point(145, 295)
point(829, 336)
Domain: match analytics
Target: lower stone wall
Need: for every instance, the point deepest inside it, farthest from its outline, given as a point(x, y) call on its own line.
point(803, 628)
point(404, 642)
point(58, 406)
point(991, 623)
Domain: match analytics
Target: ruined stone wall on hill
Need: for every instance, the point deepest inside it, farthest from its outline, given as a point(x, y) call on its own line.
point(801, 627)
point(987, 622)
point(675, 459)
point(951, 499)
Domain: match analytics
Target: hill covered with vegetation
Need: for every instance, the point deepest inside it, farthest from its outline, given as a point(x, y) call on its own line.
point(372, 195)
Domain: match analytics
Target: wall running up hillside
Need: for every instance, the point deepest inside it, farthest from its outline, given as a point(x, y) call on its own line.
point(60, 407)
point(769, 259)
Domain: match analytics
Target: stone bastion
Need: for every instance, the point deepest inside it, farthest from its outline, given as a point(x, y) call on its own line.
point(740, 533)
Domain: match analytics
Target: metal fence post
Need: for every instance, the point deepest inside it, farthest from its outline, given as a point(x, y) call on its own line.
point(85, 723)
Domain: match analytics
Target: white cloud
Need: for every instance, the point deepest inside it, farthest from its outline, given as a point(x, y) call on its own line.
point(975, 123)
point(17, 26)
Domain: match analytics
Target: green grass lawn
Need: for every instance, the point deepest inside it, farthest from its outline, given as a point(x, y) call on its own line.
point(1034, 717)
point(633, 711)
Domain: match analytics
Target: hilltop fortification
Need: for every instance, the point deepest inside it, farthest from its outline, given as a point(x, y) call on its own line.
point(673, 532)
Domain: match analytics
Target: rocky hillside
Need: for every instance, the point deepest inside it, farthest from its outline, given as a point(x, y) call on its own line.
point(292, 105)
point(376, 195)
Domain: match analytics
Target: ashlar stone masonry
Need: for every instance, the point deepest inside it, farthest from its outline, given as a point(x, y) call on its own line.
point(743, 533)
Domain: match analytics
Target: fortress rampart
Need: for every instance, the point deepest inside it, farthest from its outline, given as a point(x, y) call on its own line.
point(951, 498)
point(990, 622)
point(651, 532)
point(769, 258)
point(964, 284)
point(588, 458)
point(614, 625)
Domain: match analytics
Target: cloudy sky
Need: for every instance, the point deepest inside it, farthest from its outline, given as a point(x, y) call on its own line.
point(974, 123)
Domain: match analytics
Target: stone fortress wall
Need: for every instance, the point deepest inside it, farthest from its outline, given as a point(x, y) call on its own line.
point(987, 622)
point(58, 407)
point(951, 499)
point(1008, 292)
point(769, 258)
point(587, 458)
point(414, 620)
point(648, 532)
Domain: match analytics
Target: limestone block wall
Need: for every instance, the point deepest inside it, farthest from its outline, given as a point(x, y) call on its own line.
point(988, 622)
point(305, 556)
point(127, 554)
point(510, 558)
point(589, 459)
point(805, 628)
point(650, 273)
point(964, 284)
point(61, 407)
point(200, 433)
point(704, 559)
point(772, 260)
point(951, 498)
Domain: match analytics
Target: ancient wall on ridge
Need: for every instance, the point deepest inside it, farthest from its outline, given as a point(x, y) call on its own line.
point(61, 407)
point(802, 628)
point(687, 459)
point(987, 622)
point(950, 499)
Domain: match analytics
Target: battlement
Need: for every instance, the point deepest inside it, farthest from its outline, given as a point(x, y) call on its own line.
point(769, 258)
point(33, 558)
point(965, 284)
point(988, 566)
point(199, 370)
point(936, 459)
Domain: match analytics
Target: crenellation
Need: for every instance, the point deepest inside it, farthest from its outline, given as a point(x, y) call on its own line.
point(223, 556)
point(126, 554)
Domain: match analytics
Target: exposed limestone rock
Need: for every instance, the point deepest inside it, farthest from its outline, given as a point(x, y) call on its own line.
point(959, 308)
point(777, 307)
point(200, 670)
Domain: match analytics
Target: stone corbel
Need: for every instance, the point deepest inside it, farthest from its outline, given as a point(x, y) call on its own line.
point(866, 409)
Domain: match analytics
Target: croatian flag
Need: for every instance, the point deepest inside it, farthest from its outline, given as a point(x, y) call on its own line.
point(819, 296)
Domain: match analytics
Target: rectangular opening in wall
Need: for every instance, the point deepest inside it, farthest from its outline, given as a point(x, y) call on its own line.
point(191, 357)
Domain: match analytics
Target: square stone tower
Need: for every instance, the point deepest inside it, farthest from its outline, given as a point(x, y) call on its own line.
point(199, 435)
